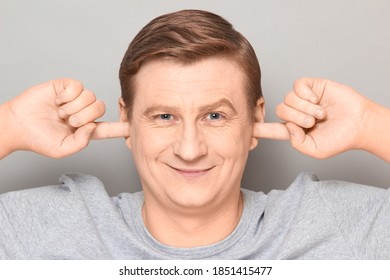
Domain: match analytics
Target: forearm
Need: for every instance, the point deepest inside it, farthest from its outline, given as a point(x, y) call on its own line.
point(376, 132)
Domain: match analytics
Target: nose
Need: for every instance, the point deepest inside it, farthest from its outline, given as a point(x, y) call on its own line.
point(190, 144)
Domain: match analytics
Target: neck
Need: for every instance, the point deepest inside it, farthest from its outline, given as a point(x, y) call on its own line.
point(195, 227)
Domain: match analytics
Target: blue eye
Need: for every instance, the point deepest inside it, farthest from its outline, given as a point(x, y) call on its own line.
point(164, 117)
point(214, 116)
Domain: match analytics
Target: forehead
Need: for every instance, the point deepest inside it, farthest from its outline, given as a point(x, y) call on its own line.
point(206, 79)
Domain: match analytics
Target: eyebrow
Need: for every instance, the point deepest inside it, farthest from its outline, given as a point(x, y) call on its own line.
point(217, 104)
point(205, 108)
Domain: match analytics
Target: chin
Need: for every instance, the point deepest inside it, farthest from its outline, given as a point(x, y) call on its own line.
point(192, 198)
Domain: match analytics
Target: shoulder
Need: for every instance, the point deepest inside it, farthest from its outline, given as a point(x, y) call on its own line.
point(357, 214)
point(33, 220)
point(307, 183)
point(340, 193)
point(347, 204)
point(69, 187)
point(307, 188)
point(70, 196)
point(83, 184)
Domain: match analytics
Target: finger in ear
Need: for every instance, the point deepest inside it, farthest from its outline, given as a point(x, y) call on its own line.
point(254, 143)
point(123, 114)
point(259, 110)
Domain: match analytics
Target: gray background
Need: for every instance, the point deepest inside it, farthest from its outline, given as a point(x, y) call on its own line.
point(347, 41)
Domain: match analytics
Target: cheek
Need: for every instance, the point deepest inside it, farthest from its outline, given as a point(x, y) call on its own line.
point(231, 141)
point(147, 142)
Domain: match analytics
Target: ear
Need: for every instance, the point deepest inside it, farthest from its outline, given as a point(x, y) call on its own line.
point(259, 114)
point(123, 117)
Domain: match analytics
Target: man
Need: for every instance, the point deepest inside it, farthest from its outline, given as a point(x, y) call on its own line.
point(191, 110)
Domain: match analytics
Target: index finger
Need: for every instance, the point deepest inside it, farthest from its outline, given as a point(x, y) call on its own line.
point(106, 130)
point(276, 131)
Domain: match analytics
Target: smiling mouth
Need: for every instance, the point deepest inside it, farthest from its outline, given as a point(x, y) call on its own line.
point(191, 173)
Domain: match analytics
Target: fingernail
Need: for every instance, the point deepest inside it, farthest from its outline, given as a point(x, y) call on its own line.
point(313, 99)
point(62, 113)
point(74, 121)
point(320, 113)
point(308, 122)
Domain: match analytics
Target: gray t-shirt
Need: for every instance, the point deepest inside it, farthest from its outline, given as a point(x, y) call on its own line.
point(309, 220)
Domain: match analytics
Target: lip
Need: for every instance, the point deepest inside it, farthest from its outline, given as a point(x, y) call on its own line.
point(191, 173)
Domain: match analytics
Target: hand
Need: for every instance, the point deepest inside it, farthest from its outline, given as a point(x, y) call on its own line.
point(323, 118)
point(56, 119)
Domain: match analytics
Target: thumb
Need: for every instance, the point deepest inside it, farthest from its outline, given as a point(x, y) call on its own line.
point(276, 131)
point(77, 141)
point(303, 142)
point(105, 130)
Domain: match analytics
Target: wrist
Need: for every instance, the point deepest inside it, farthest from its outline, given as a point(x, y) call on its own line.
point(7, 136)
point(374, 134)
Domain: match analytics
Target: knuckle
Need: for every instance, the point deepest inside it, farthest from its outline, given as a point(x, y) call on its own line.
point(298, 82)
point(76, 84)
point(302, 80)
point(301, 87)
point(89, 95)
point(101, 107)
point(289, 97)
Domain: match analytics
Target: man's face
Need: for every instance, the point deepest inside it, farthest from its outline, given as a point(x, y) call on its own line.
point(190, 131)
